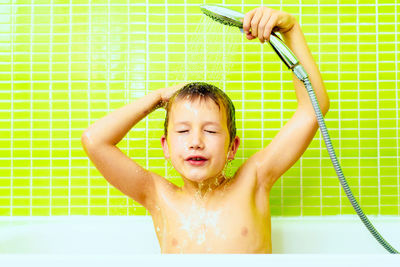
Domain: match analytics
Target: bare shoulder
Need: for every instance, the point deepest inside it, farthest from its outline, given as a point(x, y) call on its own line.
point(163, 189)
point(246, 175)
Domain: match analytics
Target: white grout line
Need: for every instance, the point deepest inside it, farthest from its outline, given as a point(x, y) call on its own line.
point(108, 90)
point(69, 108)
point(397, 114)
point(147, 80)
point(242, 92)
point(321, 140)
point(51, 109)
point(358, 104)
point(282, 178)
point(339, 154)
point(301, 158)
point(31, 113)
point(88, 93)
point(12, 110)
point(377, 107)
point(127, 91)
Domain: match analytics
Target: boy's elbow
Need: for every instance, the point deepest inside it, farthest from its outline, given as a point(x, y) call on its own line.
point(90, 139)
point(326, 106)
point(86, 139)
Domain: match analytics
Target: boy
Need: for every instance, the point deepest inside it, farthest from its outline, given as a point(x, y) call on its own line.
point(210, 214)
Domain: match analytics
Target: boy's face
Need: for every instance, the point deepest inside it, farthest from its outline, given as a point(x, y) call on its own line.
point(198, 139)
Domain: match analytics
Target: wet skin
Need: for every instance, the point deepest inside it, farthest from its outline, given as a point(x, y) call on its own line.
point(232, 219)
point(209, 214)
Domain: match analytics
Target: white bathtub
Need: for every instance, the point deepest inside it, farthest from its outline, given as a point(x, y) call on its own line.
point(44, 239)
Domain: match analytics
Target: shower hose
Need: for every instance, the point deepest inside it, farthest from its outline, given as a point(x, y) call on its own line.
point(232, 18)
point(321, 122)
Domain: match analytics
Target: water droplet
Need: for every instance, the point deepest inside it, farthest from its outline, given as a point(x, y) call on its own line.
point(216, 182)
point(201, 238)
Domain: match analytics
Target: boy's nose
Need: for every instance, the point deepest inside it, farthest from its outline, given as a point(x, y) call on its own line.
point(196, 142)
point(196, 146)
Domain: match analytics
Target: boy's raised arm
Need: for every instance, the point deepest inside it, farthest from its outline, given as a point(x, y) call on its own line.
point(100, 139)
point(293, 139)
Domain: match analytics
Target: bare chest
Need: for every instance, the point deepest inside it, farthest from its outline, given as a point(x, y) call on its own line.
point(231, 225)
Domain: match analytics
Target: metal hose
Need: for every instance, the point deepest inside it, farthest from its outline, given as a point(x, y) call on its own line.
point(338, 169)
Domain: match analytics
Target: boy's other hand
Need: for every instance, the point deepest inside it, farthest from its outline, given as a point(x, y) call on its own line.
point(261, 21)
point(167, 92)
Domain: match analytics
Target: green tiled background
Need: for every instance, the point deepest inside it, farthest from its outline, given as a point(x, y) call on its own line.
point(65, 64)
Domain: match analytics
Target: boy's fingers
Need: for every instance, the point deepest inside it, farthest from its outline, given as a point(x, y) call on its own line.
point(261, 27)
point(269, 27)
point(250, 37)
point(246, 21)
point(255, 21)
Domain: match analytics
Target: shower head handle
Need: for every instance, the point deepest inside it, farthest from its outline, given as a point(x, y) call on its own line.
point(232, 18)
point(286, 55)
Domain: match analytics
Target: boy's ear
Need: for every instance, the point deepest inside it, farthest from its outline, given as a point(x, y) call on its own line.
point(234, 147)
point(164, 145)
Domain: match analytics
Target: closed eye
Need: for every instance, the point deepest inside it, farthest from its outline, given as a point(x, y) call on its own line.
point(210, 131)
point(183, 131)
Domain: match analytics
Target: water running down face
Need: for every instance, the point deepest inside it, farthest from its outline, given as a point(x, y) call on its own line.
point(198, 142)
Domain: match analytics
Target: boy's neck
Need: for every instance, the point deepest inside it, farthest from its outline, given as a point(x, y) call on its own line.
point(203, 189)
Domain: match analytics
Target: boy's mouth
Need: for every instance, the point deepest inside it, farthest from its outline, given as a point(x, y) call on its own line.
point(196, 160)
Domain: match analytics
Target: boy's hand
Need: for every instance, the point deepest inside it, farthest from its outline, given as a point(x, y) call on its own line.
point(167, 92)
point(261, 21)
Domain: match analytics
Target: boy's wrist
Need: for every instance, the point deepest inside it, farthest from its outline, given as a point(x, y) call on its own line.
point(295, 28)
point(157, 96)
point(166, 93)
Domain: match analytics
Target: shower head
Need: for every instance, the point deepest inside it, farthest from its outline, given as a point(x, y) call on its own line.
point(223, 15)
point(232, 18)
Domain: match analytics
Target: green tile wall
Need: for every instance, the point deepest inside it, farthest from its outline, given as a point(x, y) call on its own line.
point(65, 64)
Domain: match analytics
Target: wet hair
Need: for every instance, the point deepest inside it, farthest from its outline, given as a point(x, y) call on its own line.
point(203, 91)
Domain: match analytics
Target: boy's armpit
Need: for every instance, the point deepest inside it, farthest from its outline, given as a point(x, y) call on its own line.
point(285, 148)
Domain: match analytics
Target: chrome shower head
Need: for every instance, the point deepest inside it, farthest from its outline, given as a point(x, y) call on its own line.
point(232, 18)
point(223, 15)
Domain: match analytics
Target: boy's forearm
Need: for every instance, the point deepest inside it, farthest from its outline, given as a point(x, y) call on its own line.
point(295, 40)
point(114, 126)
